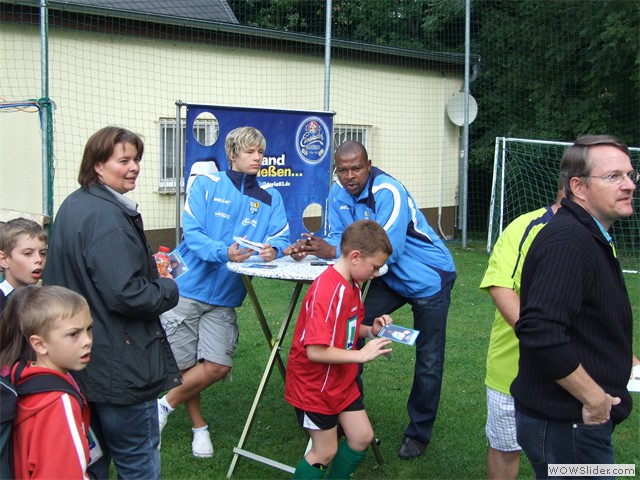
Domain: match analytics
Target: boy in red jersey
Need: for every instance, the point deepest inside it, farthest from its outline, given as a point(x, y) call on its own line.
point(323, 362)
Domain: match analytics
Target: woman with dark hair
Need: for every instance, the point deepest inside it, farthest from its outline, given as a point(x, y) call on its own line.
point(98, 248)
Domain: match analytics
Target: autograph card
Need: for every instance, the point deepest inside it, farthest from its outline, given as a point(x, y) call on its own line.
point(177, 264)
point(262, 265)
point(371, 337)
point(243, 242)
point(398, 333)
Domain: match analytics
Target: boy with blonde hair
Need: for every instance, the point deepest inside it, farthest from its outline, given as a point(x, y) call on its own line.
point(202, 329)
point(50, 432)
point(23, 254)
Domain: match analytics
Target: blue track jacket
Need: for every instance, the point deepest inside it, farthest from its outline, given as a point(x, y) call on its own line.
point(220, 206)
point(420, 263)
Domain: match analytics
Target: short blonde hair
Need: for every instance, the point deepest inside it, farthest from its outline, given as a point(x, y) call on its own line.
point(10, 233)
point(42, 307)
point(243, 137)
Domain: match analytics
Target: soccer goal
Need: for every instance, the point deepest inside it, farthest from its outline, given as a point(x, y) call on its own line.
point(525, 177)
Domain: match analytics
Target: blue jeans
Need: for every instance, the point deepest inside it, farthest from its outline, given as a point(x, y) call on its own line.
point(561, 441)
point(128, 434)
point(430, 319)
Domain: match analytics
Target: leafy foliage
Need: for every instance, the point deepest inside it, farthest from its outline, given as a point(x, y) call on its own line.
point(549, 70)
point(556, 70)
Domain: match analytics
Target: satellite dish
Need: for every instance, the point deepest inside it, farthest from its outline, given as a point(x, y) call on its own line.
point(455, 109)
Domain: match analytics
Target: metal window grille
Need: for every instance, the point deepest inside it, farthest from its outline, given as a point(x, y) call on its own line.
point(343, 133)
point(205, 131)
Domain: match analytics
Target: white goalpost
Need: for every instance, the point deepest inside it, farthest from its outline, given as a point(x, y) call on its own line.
point(525, 177)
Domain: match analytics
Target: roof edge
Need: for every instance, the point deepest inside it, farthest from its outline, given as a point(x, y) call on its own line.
point(440, 57)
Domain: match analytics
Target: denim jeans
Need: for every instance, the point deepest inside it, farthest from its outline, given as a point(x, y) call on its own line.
point(561, 441)
point(128, 434)
point(430, 319)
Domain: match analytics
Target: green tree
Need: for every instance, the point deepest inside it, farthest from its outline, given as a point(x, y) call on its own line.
point(550, 69)
point(415, 24)
point(555, 70)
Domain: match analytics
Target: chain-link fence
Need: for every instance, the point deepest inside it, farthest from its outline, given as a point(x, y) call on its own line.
point(539, 69)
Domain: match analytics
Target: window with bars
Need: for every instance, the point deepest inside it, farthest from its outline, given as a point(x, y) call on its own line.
point(204, 130)
point(343, 133)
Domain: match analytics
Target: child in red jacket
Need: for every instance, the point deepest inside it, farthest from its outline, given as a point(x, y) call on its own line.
point(50, 430)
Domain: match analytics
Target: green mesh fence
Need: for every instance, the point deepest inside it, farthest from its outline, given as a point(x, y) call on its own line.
point(526, 178)
point(539, 69)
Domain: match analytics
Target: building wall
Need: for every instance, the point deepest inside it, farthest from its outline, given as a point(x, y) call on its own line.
point(99, 79)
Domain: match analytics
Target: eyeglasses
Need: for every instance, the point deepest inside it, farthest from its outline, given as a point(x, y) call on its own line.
point(617, 178)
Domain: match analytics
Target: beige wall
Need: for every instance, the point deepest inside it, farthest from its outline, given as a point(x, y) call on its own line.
point(20, 162)
point(416, 143)
point(97, 80)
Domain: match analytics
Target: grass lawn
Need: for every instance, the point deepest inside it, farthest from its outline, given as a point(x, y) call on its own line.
point(458, 447)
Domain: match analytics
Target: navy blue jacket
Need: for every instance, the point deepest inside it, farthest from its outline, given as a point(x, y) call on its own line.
point(574, 310)
point(98, 248)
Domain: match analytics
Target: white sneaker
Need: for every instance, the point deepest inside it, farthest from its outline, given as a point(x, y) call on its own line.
point(201, 445)
point(163, 415)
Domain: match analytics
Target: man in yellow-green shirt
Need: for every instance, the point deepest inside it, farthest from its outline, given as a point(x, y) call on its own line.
point(502, 281)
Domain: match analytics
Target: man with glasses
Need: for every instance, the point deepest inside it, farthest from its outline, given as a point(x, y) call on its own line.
point(575, 316)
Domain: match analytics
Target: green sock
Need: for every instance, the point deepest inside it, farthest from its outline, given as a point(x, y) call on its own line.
point(345, 462)
point(307, 472)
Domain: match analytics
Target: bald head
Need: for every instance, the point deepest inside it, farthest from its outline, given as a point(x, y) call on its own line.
point(352, 149)
point(352, 167)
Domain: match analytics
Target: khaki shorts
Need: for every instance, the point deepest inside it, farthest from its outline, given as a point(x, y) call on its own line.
point(198, 331)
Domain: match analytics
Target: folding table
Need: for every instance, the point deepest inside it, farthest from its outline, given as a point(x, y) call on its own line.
point(300, 273)
point(287, 269)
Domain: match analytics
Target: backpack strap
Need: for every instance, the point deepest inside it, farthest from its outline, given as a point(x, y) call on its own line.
point(8, 400)
point(44, 382)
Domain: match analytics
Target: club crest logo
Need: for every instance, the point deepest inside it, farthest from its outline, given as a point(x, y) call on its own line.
point(254, 207)
point(313, 140)
point(351, 332)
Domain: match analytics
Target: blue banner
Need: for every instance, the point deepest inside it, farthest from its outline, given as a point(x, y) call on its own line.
point(297, 159)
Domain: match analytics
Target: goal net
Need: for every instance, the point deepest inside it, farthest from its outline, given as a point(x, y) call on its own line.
point(525, 178)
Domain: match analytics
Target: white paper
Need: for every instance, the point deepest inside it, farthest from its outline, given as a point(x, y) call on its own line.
point(243, 242)
point(634, 383)
point(95, 450)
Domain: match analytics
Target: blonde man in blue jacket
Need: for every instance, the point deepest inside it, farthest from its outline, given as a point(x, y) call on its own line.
point(202, 329)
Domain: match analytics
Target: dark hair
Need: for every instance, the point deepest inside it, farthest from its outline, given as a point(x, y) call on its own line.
point(13, 344)
point(576, 161)
point(366, 236)
point(100, 147)
point(350, 148)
